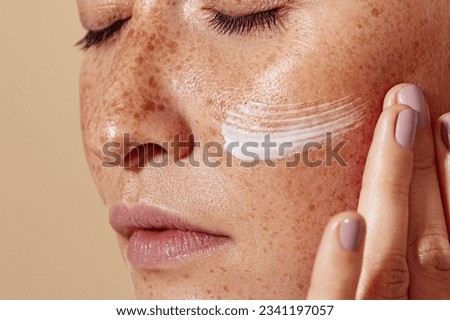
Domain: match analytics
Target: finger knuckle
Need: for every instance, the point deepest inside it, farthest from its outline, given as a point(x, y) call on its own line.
point(389, 277)
point(432, 257)
point(425, 164)
point(397, 187)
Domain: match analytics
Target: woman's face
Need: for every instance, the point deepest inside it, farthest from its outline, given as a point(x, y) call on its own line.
point(229, 74)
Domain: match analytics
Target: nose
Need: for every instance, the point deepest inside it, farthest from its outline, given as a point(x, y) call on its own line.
point(136, 116)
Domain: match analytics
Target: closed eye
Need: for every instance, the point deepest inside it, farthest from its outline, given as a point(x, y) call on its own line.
point(221, 22)
point(226, 24)
point(94, 38)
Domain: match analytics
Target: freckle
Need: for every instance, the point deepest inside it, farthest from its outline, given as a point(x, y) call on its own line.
point(150, 47)
point(160, 107)
point(186, 276)
point(208, 291)
point(102, 140)
point(151, 81)
point(140, 59)
point(211, 271)
point(223, 269)
point(173, 46)
point(312, 207)
point(226, 289)
point(150, 106)
point(375, 12)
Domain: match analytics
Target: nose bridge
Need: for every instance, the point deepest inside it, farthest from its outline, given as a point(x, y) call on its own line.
point(136, 100)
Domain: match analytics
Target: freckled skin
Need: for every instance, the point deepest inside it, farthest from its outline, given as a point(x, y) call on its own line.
point(166, 73)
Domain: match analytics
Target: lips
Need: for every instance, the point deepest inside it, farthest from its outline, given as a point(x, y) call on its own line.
point(156, 238)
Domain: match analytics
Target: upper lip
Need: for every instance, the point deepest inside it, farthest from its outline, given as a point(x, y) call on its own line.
point(126, 220)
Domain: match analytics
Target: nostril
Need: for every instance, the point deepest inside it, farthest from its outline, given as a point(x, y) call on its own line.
point(139, 156)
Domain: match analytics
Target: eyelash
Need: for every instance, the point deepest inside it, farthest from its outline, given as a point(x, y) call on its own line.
point(94, 38)
point(239, 25)
point(221, 22)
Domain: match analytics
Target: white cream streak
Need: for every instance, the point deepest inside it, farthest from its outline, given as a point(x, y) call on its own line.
point(296, 123)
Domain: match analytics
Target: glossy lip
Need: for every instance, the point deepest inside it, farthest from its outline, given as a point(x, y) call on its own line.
point(157, 238)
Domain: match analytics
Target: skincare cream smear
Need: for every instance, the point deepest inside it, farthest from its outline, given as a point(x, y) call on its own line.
point(296, 124)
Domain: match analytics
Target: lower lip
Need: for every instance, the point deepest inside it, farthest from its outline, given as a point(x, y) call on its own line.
point(147, 249)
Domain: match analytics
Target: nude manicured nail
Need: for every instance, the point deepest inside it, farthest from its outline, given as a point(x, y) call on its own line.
point(405, 130)
point(350, 234)
point(445, 130)
point(413, 96)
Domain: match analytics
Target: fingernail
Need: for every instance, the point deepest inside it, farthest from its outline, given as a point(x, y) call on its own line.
point(405, 130)
point(350, 234)
point(413, 96)
point(445, 130)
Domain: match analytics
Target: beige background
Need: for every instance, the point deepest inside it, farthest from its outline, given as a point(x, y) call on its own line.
point(56, 242)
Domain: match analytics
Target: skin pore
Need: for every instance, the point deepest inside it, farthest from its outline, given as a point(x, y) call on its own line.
point(168, 71)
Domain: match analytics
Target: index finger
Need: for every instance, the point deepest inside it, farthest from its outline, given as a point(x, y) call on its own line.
point(384, 202)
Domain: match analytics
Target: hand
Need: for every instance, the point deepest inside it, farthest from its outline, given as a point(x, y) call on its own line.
point(404, 251)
